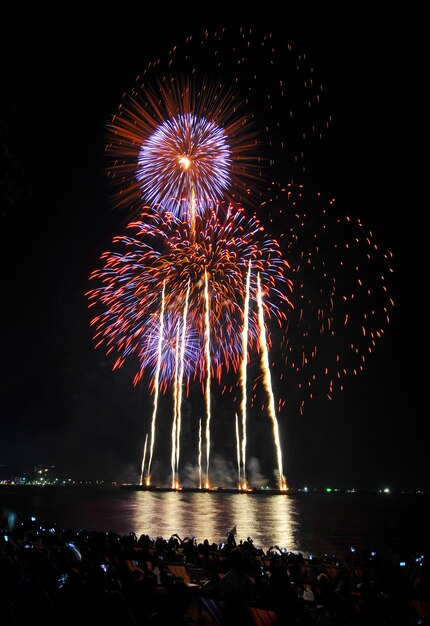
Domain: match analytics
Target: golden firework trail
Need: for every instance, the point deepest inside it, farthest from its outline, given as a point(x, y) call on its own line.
point(208, 378)
point(175, 410)
point(156, 386)
point(180, 379)
point(200, 453)
point(143, 459)
point(238, 450)
point(243, 371)
point(193, 210)
point(267, 380)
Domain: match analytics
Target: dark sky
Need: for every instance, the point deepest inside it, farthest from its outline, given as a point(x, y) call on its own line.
point(60, 402)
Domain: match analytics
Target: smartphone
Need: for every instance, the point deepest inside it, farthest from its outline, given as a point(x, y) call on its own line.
point(105, 567)
point(62, 580)
point(402, 563)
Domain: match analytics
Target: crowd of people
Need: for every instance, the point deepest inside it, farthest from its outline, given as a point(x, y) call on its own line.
point(54, 576)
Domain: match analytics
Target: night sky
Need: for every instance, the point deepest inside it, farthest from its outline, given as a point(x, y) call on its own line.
point(60, 402)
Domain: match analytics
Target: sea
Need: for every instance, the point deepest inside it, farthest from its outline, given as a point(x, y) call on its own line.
point(394, 525)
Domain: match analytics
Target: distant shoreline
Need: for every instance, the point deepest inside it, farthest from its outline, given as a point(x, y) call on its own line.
point(215, 490)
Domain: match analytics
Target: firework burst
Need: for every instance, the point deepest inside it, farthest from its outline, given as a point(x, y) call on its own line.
point(255, 81)
point(163, 249)
point(186, 155)
point(341, 293)
point(180, 143)
point(198, 288)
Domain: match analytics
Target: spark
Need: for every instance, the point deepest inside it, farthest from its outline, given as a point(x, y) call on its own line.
point(180, 379)
point(208, 378)
point(175, 411)
point(268, 384)
point(243, 368)
point(156, 384)
point(200, 453)
point(143, 460)
point(238, 450)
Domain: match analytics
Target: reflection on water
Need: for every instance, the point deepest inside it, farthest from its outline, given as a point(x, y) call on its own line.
point(211, 516)
point(315, 523)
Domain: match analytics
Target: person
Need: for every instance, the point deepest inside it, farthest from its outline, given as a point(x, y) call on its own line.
point(325, 594)
point(236, 589)
point(103, 606)
point(282, 596)
point(174, 610)
point(190, 550)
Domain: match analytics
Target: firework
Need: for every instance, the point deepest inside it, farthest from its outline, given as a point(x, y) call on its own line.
point(178, 144)
point(207, 351)
point(186, 154)
point(243, 369)
point(267, 380)
point(341, 294)
point(250, 122)
point(164, 251)
point(178, 384)
point(156, 384)
point(198, 288)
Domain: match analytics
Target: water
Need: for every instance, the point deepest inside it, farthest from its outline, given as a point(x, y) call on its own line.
point(316, 523)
